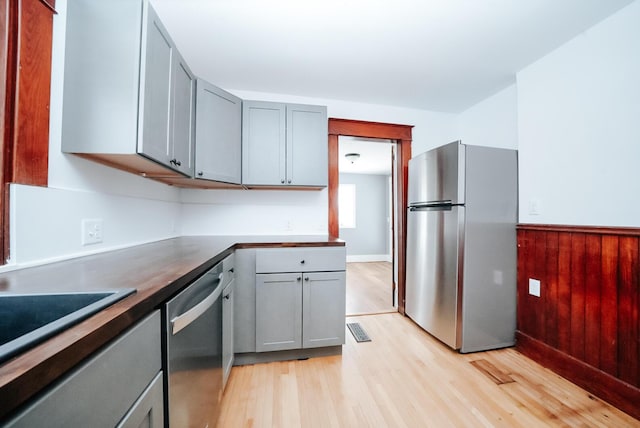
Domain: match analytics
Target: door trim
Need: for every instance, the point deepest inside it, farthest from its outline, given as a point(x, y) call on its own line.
point(402, 135)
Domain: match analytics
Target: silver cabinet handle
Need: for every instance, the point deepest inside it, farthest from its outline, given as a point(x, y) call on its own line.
point(182, 321)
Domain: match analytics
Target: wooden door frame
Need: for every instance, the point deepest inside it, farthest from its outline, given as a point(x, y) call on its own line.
point(402, 135)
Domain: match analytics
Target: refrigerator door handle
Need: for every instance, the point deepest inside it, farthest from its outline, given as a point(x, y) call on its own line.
point(432, 207)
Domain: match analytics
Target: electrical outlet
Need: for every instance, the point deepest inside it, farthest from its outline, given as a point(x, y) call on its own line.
point(91, 231)
point(534, 287)
point(534, 206)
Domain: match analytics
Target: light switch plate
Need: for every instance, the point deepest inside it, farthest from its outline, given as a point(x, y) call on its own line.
point(534, 287)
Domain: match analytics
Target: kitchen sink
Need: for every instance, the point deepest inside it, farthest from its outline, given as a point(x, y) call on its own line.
point(28, 319)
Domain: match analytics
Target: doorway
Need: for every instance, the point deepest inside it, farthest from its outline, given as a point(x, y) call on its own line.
point(365, 199)
point(401, 134)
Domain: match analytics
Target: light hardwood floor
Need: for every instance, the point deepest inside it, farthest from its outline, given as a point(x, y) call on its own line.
point(405, 378)
point(369, 288)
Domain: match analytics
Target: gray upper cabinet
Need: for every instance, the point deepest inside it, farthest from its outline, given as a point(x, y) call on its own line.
point(284, 144)
point(183, 107)
point(128, 95)
point(218, 134)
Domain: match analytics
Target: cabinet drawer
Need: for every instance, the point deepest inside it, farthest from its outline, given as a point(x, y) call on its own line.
point(301, 259)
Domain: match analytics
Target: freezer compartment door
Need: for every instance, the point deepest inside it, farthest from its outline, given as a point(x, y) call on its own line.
point(433, 290)
point(438, 175)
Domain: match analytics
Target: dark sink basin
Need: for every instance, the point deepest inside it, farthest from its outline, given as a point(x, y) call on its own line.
point(27, 319)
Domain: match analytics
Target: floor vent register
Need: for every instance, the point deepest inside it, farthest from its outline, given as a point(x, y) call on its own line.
point(358, 332)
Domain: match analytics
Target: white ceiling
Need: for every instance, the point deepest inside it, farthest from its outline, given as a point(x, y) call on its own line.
point(375, 155)
point(441, 55)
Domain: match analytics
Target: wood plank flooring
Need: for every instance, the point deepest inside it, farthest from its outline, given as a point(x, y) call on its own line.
point(406, 378)
point(369, 288)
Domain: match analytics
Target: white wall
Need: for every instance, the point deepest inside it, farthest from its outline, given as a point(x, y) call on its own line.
point(579, 128)
point(45, 222)
point(492, 122)
point(253, 212)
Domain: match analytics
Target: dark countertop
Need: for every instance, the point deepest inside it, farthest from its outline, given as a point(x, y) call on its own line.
point(156, 270)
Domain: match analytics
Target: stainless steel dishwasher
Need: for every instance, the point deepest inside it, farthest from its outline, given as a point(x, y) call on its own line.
point(193, 352)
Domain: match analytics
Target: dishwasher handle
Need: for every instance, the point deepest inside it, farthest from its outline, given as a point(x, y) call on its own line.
point(182, 321)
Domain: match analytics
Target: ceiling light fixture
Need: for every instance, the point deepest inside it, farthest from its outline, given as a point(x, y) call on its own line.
point(352, 157)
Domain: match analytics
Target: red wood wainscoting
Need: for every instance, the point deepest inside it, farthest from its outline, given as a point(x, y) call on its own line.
point(585, 324)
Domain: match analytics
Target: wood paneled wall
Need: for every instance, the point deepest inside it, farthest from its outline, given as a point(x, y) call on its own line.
point(585, 324)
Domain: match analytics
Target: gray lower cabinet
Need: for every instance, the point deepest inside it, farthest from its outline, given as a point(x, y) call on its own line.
point(323, 309)
point(299, 310)
point(128, 94)
point(148, 411)
point(284, 144)
point(228, 301)
point(121, 385)
point(218, 134)
point(244, 308)
point(278, 311)
point(299, 298)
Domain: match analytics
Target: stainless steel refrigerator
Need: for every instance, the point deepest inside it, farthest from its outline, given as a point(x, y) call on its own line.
point(461, 245)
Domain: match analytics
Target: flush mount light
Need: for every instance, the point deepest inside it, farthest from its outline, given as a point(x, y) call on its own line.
point(352, 157)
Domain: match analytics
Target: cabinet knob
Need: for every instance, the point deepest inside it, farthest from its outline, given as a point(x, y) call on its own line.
point(302, 261)
point(200, 173)
point(298, 278)
point(175, 162)
point(178, 163)
point(289, 181)
point(306, 278)
point(282, 181)
point(227, 297)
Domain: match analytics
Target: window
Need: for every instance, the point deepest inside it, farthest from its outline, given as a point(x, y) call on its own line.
point(347, 206)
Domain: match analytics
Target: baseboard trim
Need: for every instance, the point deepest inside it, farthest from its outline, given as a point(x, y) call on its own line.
point(291, 354)
point(369, 258)
point(609, 388)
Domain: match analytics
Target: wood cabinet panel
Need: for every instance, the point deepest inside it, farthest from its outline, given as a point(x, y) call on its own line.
point(585, 325)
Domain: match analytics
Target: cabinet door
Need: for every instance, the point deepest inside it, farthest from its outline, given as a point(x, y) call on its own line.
point(183, 117)
point(323, 311)
point(307, 145)
point(227, 331)
point(244, 306)
point(148, 411)
point(278, 311)
point(218, 134)
point(155, 85)
point(263, 143)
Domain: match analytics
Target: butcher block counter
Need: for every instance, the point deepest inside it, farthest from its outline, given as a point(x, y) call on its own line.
point(156, 271)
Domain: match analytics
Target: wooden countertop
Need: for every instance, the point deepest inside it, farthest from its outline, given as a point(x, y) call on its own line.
point(156, 270)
